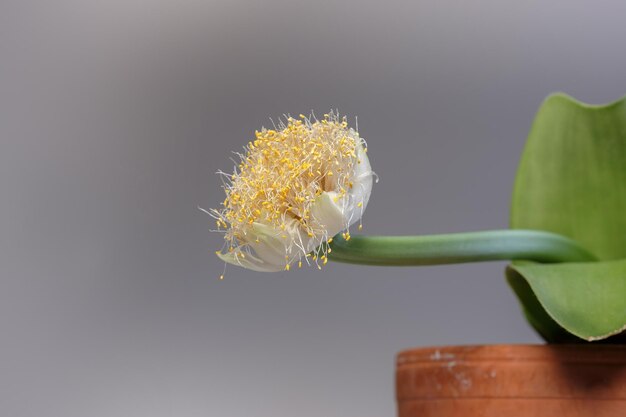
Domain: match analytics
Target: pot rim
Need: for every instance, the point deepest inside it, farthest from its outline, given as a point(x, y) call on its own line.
point(566, 353)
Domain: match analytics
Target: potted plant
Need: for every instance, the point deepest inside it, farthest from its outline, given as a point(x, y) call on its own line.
point(301, 186)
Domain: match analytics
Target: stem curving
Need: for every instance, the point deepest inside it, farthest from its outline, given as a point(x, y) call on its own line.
point(493, 245)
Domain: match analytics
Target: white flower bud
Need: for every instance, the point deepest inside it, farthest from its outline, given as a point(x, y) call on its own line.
point(296, 188)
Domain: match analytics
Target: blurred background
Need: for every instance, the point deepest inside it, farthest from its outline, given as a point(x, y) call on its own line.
point(114, 118)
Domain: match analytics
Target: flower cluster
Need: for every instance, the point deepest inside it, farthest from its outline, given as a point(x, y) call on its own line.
point(296, 186)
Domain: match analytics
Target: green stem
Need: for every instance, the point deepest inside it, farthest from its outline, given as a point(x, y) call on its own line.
point(494, 245)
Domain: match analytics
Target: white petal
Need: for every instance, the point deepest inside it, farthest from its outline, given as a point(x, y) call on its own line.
point(267, 244)
point(249, 262)
point(327, 214)
point(363, 180)
point(360, 191)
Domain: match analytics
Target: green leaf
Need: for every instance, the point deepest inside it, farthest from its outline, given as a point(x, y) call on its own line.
point(587, 299)
point(572, 181)
point(536, 315)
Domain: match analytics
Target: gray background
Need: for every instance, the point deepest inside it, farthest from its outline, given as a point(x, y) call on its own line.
point(114, 117)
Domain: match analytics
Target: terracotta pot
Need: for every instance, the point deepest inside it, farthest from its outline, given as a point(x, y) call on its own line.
point(512, 381)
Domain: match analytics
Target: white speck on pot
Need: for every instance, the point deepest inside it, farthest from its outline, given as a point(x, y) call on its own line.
point(437, 356)
point(464, 382)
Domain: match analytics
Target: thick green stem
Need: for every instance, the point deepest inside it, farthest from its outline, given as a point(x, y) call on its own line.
point(494, 245)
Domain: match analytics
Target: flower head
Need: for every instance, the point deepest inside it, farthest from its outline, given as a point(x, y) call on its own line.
point(295, 188)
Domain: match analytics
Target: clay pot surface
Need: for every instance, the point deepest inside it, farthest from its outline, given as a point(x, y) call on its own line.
point(512, 381)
